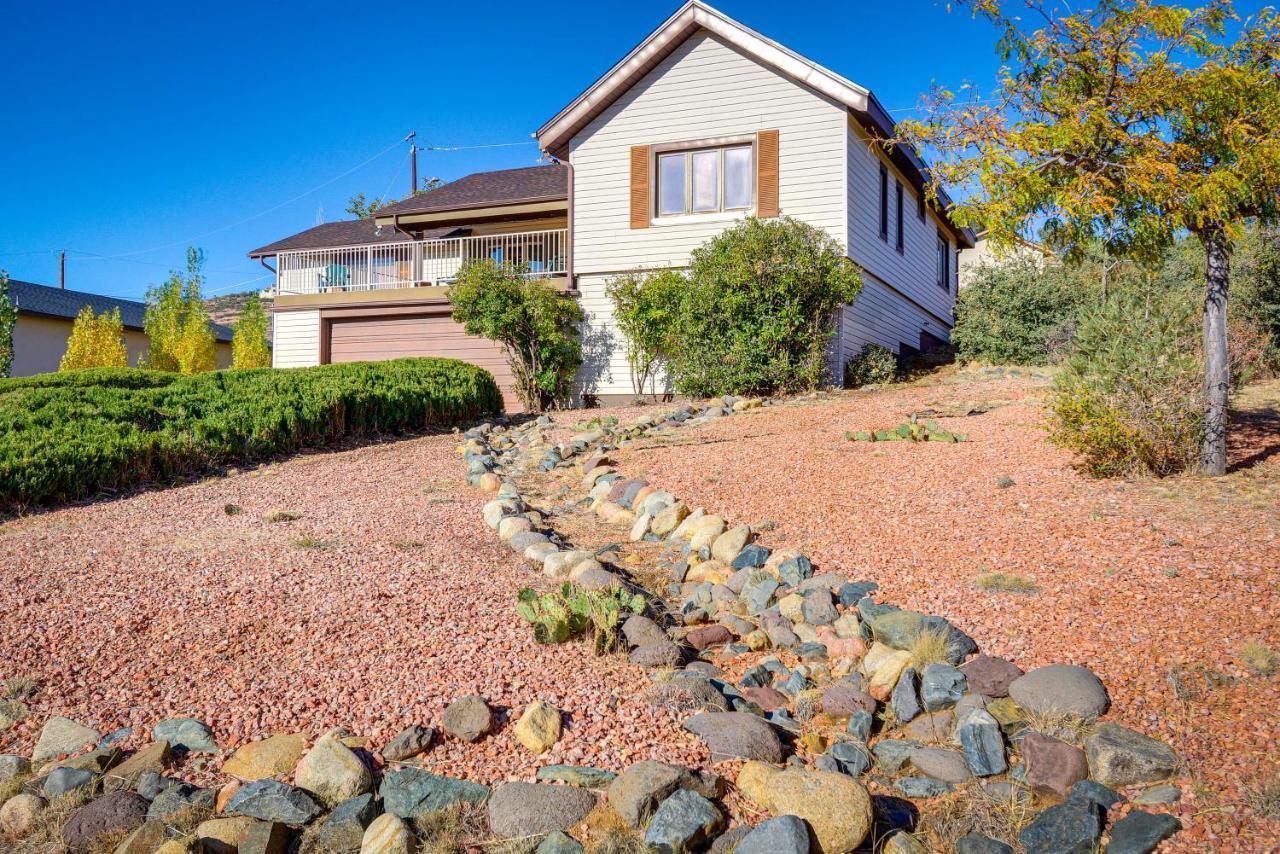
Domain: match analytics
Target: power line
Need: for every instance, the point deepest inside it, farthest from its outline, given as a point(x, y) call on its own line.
point(472, 147)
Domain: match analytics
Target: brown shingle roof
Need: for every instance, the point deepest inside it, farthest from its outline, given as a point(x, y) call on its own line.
point(351, 232)
point(486, 189)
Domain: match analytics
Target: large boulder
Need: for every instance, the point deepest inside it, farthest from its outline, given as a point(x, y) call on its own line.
point(409, 792)
point(736, 735)
point(62, 735)
point(534, 809)
point(344, 828)
point(388, 834)
point(1060, 689)
point(268, 757)
point(186, 734)
point(332, 772)
point(19, 814)
point(152, 758)
point(1118, 756)
point(836, 806)
point(468, 718)
point(408, 743)
point(1071, 827)
point(785, 834)
point(636, 792)
point(113, 813)
point(685, 821)
point(990, 676)
point(271, 800)
point(639, 630)
point(1052, 765)
point(1141, 832)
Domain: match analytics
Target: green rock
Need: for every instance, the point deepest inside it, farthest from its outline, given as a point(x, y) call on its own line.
point(409, 792)
point(582, 776)
point(559, 843)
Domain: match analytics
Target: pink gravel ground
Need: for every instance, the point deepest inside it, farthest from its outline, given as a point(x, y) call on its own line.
point(161, 604)
point(1137, 580)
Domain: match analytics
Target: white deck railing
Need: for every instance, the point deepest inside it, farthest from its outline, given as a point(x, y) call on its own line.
point(414, 263)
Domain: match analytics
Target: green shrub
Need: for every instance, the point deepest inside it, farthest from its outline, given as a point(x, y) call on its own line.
point(646, 308)
point(1130, 396)
point(72, 435)
point(1017, 312)
point(535, 324)
point(873, 365)
point(757, 312)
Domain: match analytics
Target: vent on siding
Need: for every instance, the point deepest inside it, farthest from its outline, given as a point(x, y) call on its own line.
point(640, 186)
point(767, 173)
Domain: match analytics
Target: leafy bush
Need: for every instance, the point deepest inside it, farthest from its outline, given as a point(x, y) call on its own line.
point(757, 311)
point(1016, 312)
point(873, 365)
point(96, 341)
point(646, 308)
point(249, 348)
point(1130, 397)
point(535, 324)
point(565, 613)
point(8, 319)
point(71, 435)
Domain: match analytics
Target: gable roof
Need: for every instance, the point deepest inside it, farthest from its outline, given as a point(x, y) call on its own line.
point(347, 232)
point(488, 189)
point(695, 16)
point(31, 298)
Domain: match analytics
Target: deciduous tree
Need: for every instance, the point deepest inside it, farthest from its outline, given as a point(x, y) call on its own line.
point(8, 319)
point(249, 347)
point(177, 323)
point(96, 341)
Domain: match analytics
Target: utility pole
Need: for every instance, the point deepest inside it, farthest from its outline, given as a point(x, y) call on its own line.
point(62, 269)
point(413, 162)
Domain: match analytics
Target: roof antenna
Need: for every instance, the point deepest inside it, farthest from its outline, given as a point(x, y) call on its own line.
point(320, 214)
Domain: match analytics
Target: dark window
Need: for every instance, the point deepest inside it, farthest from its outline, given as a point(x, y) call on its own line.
point(884, 203)
point(920, 205)
point(898, 188)
point(944, 263)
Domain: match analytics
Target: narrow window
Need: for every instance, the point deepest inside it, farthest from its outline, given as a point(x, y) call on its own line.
point(705, 180)
point(944, 263)
point(898, 190)
point(884, 203)
point(920, 204)
point(671, 197)
point(737, 178)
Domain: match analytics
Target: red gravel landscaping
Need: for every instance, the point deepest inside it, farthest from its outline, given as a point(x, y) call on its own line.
point(1156, 586)
point(384, 601)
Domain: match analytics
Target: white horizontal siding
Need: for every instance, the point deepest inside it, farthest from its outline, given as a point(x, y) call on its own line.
point(914, 271)
point(703, 90)
point(880, 316)
point(605, 369)
point(296, 339)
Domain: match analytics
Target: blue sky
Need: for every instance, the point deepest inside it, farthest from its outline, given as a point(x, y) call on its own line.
point(133, 130)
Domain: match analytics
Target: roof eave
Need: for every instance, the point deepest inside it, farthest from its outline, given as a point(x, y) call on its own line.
point(393, 217)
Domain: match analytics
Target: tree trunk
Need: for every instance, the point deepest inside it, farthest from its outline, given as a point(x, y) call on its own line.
point(1217, 378)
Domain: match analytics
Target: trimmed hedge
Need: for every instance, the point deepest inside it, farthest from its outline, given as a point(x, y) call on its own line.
point(72, 435)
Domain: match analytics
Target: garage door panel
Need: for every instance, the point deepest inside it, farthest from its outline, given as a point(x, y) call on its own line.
point(372, 339)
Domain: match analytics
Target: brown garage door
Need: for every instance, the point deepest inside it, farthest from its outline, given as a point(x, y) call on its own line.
point(360, 339)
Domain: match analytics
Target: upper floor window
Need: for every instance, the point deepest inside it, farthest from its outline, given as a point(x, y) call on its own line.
point(901, 241)
point(884, 203)
point(705, 180)
point(944, 262)
point(920, 205)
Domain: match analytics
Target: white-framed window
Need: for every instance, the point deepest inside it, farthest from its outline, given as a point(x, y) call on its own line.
point(706, 180)
point(944, 262)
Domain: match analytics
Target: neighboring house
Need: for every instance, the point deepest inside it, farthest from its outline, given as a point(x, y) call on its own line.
point(45, 317)
point(705, 122)
point(984, 253)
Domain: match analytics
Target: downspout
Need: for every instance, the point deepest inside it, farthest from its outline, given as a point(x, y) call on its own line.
point(568, 238)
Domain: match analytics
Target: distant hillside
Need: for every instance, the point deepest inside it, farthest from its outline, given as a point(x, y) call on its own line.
point(226, 309)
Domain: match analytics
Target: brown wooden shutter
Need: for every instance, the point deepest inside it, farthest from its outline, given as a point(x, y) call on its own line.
point(767, 173)
point(639, 186)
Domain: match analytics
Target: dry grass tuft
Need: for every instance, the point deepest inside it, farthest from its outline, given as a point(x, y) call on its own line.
point(604, 832)
point(1264, 798)
point(1060, 725)
point(281, 516)
point(1259, 658)
point(1004, 582)
point(232, 509)
point(310, 542)
point(672, 696)
point(621, 841)
point(406, 545)
point(12, 712)
point(452, 830)
point(968, 810)
point(930, 647)
point(11, 787)
point(20, 688)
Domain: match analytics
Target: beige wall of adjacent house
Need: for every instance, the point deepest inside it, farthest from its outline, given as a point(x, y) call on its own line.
point(39, 342)
point(704, 90)
point(985, 254)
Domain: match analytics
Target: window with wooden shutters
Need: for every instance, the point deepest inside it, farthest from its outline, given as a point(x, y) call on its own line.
point(767, 199)
point(640, 186)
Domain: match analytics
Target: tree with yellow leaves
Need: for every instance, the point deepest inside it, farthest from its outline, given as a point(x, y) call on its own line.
point(95, 342)
point(177, 323)
point(1130, 123)
point(249, 348)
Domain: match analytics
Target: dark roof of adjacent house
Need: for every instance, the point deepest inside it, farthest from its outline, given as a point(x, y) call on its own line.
point(57, 302)
point(350, 232)
point(488, 189)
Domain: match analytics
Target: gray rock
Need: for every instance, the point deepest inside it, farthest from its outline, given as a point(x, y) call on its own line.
point(1159, 795)
point(905, 699)
point(860, 726)
point(982, 743)
point(1118, 756)
point(853, 758)
point(344, 828)
point(795, 571)
point(521, 541)
point(408, 792)
point(759, 593)
point(990, 676)
point(63, 780)
point(113, 813)
point(1140, 832)
point(189, 733)
point(468, 718)
point(785, 834)
point(12, 765)
point(639, 630)
point(638, 790)
point(1071, 827)
point(175, 798)
point(151, 783)
point(1060, 689)
point(1095, 793)
point(62, 735)
point(893, 754)
point(116, 737)
point(852, 591)
point(685, 821)
point(559, 843)
point(781, 635)
point(693, 691)
point(818, 609)
point(901, 629)
point(533, 809)
point(271, 800)
point(736, 735)
point(922, 787)
point(946, 765)
point(941, 686)
point(751, 556)
point(976, 843)
point(662, 654)
point(727, 842)
point(583, 776)
point(409, 742)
